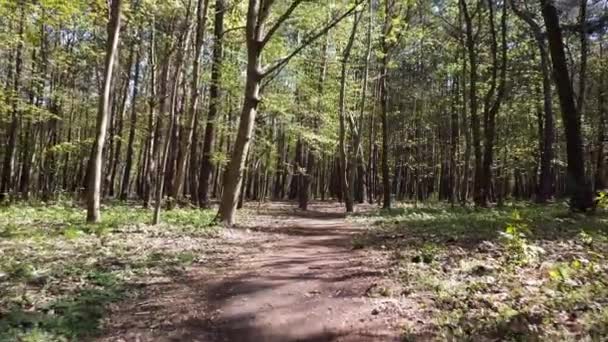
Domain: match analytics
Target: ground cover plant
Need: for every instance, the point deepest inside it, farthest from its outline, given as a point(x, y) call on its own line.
point(58, 275)
point(519, 272)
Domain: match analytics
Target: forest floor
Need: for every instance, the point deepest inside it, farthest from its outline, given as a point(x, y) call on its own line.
point(428, 272)
point(293, 276)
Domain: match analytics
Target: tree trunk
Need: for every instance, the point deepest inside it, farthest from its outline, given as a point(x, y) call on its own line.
point(473, 105)
point(150, 167)
point(491, 109)
point(191, 117)
point(11, 147)
point(214, 101)
point(164, 155)
point(234, 172)
point(311, 159)
point(115, 160)
point(347, 185)
point(545, 178)
point(124, 191)
point(577, 185)
point(95, 161)
point(600, 170)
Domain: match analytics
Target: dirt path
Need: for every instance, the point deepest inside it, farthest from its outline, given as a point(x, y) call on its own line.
point(295, 277)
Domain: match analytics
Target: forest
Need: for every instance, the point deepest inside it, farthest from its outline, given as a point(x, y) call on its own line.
point(303, 170)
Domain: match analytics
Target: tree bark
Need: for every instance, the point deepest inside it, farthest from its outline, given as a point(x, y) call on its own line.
point(491, 108)
point(600, 170)
point(473, 105)
point(577, 186)
point(214, 102)
point(191, 117)
point(347, 186)
point(95, 161)
point(164, 154)
point(545, 178)
point(124, 190)
point(11, 147)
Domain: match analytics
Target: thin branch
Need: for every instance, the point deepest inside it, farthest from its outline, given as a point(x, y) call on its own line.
point(233, 29)
point(280, 21)
point(276, 65)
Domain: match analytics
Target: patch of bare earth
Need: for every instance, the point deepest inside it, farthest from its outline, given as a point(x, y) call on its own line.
point(286, 275)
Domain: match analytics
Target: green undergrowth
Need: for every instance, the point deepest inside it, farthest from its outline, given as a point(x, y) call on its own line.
point(522, 272)
point(58, 275)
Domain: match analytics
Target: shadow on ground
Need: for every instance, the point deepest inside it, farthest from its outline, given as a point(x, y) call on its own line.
point(298, 280)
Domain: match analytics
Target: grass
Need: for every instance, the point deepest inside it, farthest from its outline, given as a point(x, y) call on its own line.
point(522, 272)
point(58, 275)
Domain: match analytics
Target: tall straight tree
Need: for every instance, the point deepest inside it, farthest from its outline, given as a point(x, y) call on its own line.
point(257, 38)
point(545, 177)
point(164, 153)
point(311, 162)
point(577, 186)
point(124, 190)
point(470, 43)
point(96, 159)
point(214, 102)
point(345, 168)
point(493, 102)
point(11, 146)
point(201, 23)
point(390, 33)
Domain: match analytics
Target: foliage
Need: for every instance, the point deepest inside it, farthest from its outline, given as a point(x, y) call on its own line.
point(518, 251)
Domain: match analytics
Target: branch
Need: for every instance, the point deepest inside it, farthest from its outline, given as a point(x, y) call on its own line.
point(232, 29)
point(280, 21)
point(276, 65)
point(527, 18)
point(264, 10)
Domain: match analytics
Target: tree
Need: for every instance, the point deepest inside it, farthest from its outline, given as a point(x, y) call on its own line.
point(345, 167)
point(214, 103)
point(256, 37)
point(390, 33)
point(545, 177)
point(11, 146)
point(96, 161)
point(577, 185)
point(186, 143)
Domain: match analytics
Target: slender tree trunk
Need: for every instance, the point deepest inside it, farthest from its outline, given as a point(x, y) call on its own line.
point(473, 105)
point(347, 185)
point(124, 190)
point(545, 179)
point(491, 108)
point(384, 97)
point(96, 159)
point(11, 147)
point(165, 156)
point(214, 101)
point(454, 143)
point(600, 170)
point(577, 185)
point(150, 168)
point(115, 160)
point(191, 117)
point(234, 172)
point(311, 159)
point(582, 77)
point(362, 171)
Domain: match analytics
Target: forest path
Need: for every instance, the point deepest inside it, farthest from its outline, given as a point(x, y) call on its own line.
point(295, 277)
